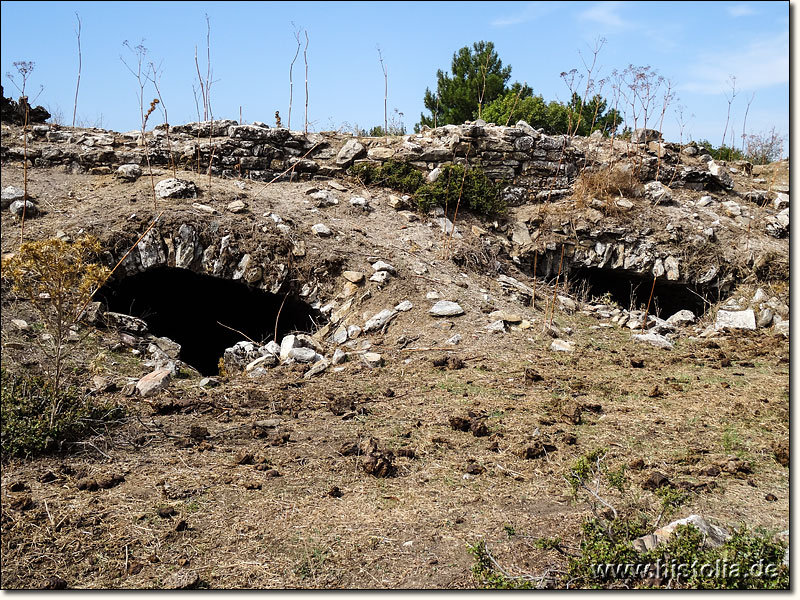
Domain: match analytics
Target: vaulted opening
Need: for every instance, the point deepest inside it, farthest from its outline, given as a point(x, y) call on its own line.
point(201, 312)
point(632, 290)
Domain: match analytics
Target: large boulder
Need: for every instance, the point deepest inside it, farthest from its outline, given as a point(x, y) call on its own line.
point(352, 150)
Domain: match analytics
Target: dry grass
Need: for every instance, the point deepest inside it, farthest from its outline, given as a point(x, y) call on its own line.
point(606, 184)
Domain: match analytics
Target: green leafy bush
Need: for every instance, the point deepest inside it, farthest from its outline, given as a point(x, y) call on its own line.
point(25, 403)
point(393, 174)
point(470, 190)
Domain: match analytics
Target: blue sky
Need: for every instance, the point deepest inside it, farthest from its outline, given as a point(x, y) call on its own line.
point(697, 45)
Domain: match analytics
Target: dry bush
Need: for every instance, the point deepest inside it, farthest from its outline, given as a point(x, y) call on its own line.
point(606, 184)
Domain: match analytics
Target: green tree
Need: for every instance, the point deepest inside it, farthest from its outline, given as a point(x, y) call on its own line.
point(478, 78)
point(519, 103)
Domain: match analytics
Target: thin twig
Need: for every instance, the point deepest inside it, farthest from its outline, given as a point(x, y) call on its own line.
point(237, 331)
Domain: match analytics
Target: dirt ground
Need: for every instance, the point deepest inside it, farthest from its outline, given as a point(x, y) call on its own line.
point(199, 489)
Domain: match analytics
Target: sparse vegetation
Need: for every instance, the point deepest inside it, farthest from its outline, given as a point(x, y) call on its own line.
point(58, 279)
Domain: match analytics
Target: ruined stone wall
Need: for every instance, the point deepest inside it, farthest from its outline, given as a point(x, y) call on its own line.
point(529, 164)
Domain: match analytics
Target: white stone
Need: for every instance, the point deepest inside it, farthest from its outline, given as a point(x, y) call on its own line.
point(782, 328)
point(303, 355)
point(681, 318)
point(372, 359)
point(288, 343)
point(321, 230)
point(379, 320)
point(154, 382)
point(384, 266)
point(339, 357)
point(404, 306)
point(738, 319)
point(659, 341)
point(446, 308)
point(432, 296)
point(353, 331)
point(380, 277)
point(562, 346)
point(455, 340)
point(498, 326)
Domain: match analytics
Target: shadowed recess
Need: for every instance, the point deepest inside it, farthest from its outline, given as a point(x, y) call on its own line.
point(200, 311)
point(632, 290)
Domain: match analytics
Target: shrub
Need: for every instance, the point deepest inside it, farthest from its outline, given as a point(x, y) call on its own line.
point(27, 428)
point(393, 174)
point(749, 559)
point(58, 279)
point(478, 195)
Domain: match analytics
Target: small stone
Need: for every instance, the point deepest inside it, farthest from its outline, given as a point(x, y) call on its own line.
point(353, 276)
point(129, 172)
point(379, 320)
point(321, 230)
point(562, 346)
point(446, 308)
point(302, 355)
point(236, 206)
point(404, 306)
point(175, 188)
point(498, 326)
point(339, 357)
point(182, 580)
point(372, 359)
point(154, 382)
point(380, 277)
point(654, 339)
point(741, 319)
point(455, 340)
point(384, 266)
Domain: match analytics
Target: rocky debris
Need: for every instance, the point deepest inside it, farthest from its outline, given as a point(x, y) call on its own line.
point(30, 208)
point(713, 536)
point(404, 306)
point(303, 355)
point(321, 230)
point(446, 308)
point(236, 206)
point(380, 320)
point(176, 188)
point(782, 328)
point(643, 136)
point(129, 172)
point(351, 150)
point(682, 318)
point(657, 193)
point(353, 276)
point(740, 319)
point(654, 339)
point(372, 359)
point(324, 198)
point(381, 265)
point(123, 322)
point(778, 226)
point(562, 346)
point(239, 356)
point(153, 383)
point(9, 195)
point(721, 174)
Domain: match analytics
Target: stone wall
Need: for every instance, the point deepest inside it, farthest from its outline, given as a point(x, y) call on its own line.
point(530, 164)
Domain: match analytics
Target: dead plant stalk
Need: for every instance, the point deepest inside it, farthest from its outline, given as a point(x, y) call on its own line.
point(555, 289)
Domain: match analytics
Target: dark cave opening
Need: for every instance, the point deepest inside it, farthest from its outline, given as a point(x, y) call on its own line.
point(200, 312)
point(632, 290)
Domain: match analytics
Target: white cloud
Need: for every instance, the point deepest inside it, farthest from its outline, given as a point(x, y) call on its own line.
point(530, 12)
point(739, 10)
point(606, 14)
point(761, 63)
